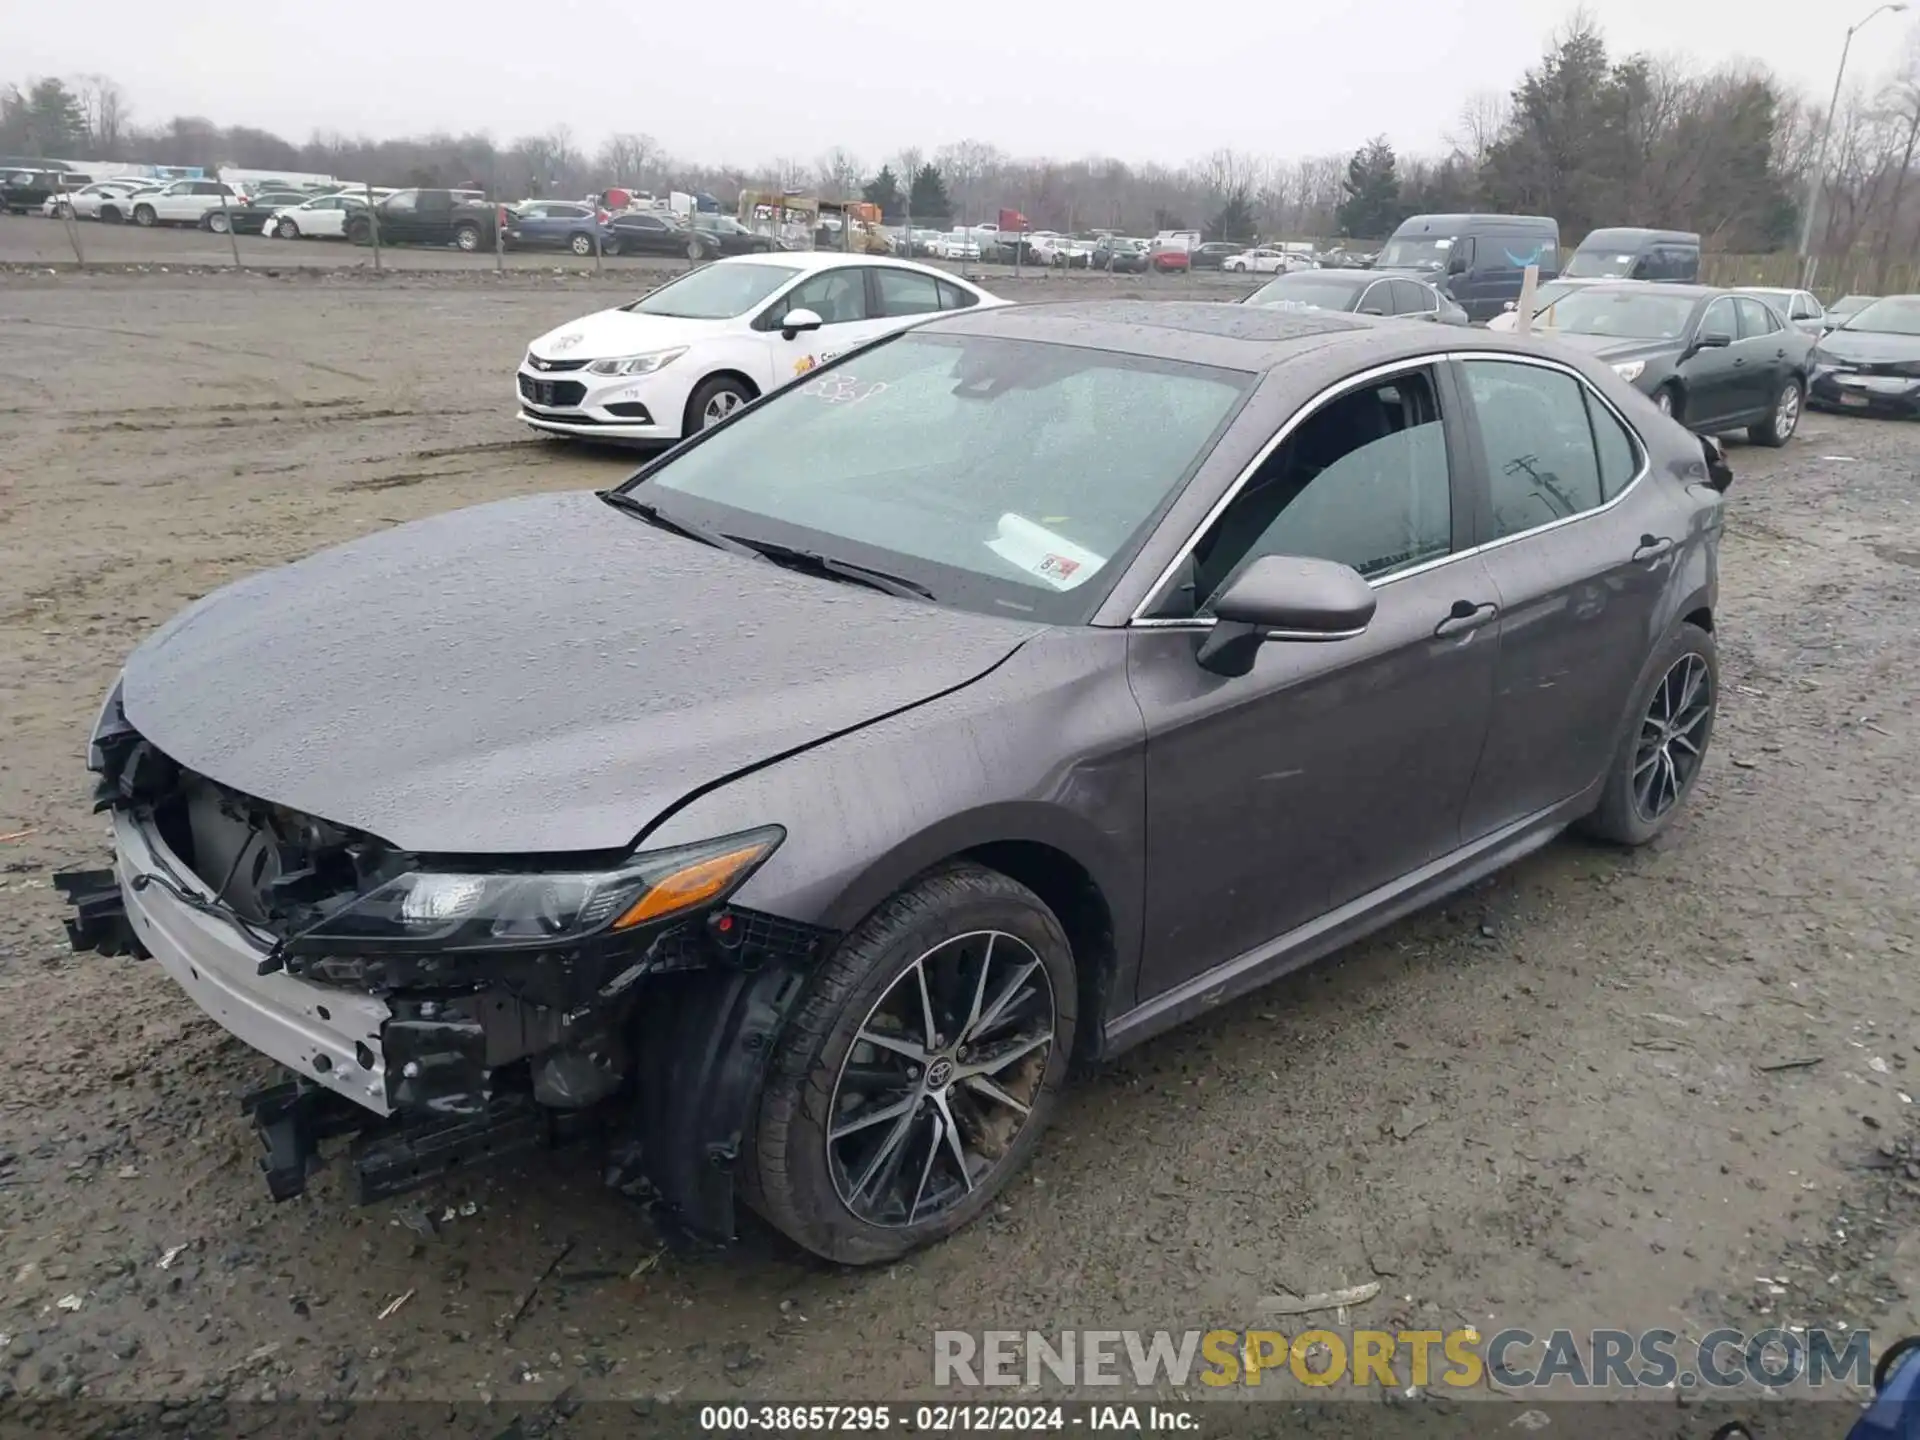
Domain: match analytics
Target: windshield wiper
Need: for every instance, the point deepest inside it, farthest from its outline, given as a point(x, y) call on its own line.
point(814, 563)
point(650, 513)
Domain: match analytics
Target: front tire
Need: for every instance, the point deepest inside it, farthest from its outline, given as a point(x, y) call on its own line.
point(582, 244)
point(894, 1114)
point(1783, 419)
point(1665, 746)
point(713, 401)
point(145, 216)
point(287, 230)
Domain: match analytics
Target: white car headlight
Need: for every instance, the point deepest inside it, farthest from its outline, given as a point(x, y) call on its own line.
point(1629, 370)
point(636, 364)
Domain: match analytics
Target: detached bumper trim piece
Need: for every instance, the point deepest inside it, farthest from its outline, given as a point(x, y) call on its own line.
point(99, 921)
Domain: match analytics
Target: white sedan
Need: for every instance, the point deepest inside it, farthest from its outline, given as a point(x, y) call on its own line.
point(959, 245)
point(322, 218)
point(84, 203)
point(689, 354)
point(1544, 297)
point(1260, 261)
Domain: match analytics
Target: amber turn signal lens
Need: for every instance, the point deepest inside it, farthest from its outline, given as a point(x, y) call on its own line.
point(689, 886)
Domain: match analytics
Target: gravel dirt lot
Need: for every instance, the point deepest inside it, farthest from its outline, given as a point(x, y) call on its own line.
point(1545, 1104)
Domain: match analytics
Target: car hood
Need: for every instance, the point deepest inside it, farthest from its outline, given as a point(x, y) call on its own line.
point(1614, 349)
point(611, 333)
point(537, 675)
point(1863, 347)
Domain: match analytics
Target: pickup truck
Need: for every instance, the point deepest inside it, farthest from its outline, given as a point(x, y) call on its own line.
point(461, 218)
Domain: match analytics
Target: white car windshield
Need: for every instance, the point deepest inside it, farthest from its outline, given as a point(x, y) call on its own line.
point(1414, 254)
point(1631, 314)
point(1001, 475)
point(714, 292)
point(1600, 265)
point(1304, 290)
point(1896, 315)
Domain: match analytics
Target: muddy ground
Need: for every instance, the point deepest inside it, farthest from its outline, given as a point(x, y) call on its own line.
point(1546, 1104)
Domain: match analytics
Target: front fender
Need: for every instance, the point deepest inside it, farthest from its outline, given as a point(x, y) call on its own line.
point(1046, 749)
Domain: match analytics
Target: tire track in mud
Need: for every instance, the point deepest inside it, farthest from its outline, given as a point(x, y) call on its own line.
point(183, 343)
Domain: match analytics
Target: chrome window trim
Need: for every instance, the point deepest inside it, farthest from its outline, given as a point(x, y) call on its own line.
point(1140, 618)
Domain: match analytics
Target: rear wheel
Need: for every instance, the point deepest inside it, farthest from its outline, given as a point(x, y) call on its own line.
point(218, 222)
point(1783, 419)
point(467, 237)
point(917, 1075)
point(1666, 742)
point(1666, 401)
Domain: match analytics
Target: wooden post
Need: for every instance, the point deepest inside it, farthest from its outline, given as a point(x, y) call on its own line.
point(373, 223)
point(233, 240)
point(1523, 311)
point(73, 233)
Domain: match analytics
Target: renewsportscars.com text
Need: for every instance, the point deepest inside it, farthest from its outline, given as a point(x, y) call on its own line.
point(1611, 1360)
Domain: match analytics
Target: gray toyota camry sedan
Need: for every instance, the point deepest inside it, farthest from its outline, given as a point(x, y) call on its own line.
point(794, 818)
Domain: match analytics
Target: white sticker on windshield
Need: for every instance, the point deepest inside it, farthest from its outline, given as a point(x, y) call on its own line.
point(1040, 551)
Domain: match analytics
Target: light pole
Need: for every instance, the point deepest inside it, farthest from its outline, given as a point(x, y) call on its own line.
point(1826, 137)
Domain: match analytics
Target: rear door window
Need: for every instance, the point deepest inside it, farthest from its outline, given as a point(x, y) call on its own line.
point(905, 292)
point(1542, 463)
point(1756, 318)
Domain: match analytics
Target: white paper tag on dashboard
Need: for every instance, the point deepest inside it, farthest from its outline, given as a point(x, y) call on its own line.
point(1040, 552)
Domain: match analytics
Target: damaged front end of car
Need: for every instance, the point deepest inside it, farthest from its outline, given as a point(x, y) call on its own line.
point(443, 1010)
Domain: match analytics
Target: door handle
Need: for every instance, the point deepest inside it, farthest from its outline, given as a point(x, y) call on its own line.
point(1652, 547)
point(1466, 616)
point(1738, 361)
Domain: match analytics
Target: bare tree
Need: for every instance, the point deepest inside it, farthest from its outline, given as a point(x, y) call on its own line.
point(1481, 120)
point(630, 158)
point(839, 171)
point(104, 104)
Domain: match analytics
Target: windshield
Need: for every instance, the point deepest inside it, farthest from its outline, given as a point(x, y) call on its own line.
point(1847, 304)
point(1003, 475)
point(1415, 254)
point(1597, 264)
point(714, 292)
point(1630, 313)
point(1896, 315)
point(1312, 292)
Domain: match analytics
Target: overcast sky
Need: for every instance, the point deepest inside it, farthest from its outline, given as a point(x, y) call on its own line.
point(746, 80)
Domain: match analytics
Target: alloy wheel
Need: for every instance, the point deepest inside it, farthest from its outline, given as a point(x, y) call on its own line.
point(1672, 733)
point(1787, 415)
point(723, 404)
point(1663, 401)
point(941, 1078)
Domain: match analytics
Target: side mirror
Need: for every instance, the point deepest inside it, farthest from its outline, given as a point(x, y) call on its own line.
point(1284, 597)
point(1457, 265)
point(1709, 342)
point(799, 320)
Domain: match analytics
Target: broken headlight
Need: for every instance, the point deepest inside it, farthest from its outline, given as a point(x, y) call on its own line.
point(484, 910)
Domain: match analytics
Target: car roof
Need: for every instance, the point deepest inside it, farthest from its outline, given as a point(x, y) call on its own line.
point(1253, 338)
point(1767, 290)
point(1614, 234)
point(811, 260)
point(1672, 287)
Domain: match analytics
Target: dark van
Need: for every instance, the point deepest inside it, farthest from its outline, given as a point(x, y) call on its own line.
point(1626, 253)
point(1477, 259)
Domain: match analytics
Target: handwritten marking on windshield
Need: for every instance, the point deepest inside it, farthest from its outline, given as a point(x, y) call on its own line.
point(843, 389)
